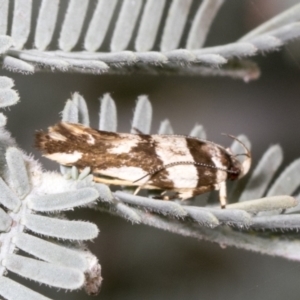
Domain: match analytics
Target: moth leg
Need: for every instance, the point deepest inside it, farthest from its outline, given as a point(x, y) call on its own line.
point(223, 194)
point(161, 196)
point(203, 189)
point(140, 187)
point(165, 197)
point(185, 194)
point(137, 189)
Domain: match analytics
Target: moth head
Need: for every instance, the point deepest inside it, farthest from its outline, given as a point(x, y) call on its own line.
point(239, 169)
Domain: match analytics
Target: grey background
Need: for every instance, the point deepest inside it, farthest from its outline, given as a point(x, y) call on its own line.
point(139, 262)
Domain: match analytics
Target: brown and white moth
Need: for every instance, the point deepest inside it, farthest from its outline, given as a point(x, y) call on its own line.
point(185, 165)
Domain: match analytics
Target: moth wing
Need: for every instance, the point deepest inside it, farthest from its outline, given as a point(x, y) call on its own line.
point(130, 157)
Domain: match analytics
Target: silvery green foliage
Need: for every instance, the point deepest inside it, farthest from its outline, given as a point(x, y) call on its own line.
point(32, 201)
point(138, 20)
point(27, 194)
point(260, 206)
point(8, 96)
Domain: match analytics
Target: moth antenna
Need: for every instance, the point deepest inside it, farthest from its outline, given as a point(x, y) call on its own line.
point(137, 130)
point(141, 186)
point(181, 163)
point(246, 164)
point(142, 177)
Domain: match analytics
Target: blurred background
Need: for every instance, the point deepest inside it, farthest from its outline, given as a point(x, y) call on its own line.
point(139, 262)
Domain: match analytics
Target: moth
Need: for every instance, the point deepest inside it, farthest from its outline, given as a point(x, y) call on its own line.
point(185, 165)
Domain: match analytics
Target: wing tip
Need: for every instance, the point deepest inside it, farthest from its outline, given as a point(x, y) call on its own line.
point(40, 140)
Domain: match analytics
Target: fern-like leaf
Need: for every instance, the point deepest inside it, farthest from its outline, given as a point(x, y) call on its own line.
point(26, 194)
point(141, 23)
